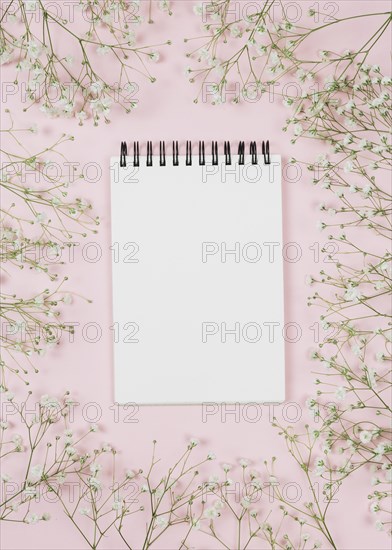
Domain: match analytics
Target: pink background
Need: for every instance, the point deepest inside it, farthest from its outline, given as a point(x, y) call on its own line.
point(166, 111)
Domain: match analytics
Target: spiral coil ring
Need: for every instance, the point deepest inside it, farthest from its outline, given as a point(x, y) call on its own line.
point(253, 151)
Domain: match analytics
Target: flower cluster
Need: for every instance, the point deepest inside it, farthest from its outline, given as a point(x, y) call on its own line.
point(74, 83)
point(107, 503)
point(246, 49)
point(37, 438)
point(40, 223)
point(351, 116)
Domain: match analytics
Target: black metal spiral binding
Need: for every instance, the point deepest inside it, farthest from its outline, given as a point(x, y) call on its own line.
point(253, 151)
point(188, 159)
point(215, 156)
point(123, 154)
point(136, 157)
point(149, 153)
point(202, 154)
point(265, 150)
point(227, 153)
point(162, 154)
point(175, 153)
point(241, 152)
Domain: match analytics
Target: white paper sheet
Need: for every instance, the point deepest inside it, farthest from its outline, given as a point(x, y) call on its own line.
point(197, 282)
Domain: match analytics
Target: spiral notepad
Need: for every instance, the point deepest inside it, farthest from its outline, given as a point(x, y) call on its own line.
point(197, 273)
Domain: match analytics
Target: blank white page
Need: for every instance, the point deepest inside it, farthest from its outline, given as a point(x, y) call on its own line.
point(197, 282)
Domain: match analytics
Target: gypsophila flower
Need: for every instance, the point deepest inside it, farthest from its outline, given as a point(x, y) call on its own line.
point(49, 402)
point(162, 521)
point(117, 505)
point(154, 56)
point(365, 436)
point(32, 519)
point(340, 393)
point(103, 50)
point(94, 483)
point(95, 468)
point(211, 513)
point(35, 473)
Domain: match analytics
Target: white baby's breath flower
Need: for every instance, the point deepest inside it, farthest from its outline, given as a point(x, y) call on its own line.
point(164, 5)
point(49, 402)
point(35, 473)
point(60, 478)
point(81, 116)
point(67, 299)
point(348, 167)
point(211, 513)
point(246, 502)
point(235, 31)
point(30, 5)
point(198, 9)
point(17, 439)
point(70, 451)
point(94, 483)
point(5, 57)
point(374, 507)
point(380, 449)
point(340, 393)
point(365, 436)
point(154, 56)
point(103, 49)
point(162, 521)
point(30, 492)
point(41, 217)
point(159, 492)
point(117, 505)
point(95, 468)
point(32, 519)
point(33, 49)
point(353, 293)
point(195, 524)
point(298, 129)
point(8, 395)
point(219, 504)
point(320, 225)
